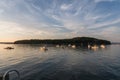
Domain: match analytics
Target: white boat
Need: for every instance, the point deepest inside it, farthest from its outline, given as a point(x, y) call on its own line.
point(102, 46)
point(89, 46)
point(95, 47)
point(73, 46)
point(43, 48)
point(57, 46)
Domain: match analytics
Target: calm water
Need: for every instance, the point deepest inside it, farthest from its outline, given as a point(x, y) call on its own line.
point(61, 64)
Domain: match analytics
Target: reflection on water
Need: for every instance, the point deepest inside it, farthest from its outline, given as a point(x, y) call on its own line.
point(61, 63)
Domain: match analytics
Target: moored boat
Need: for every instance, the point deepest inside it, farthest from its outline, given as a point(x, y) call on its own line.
point(9, 48)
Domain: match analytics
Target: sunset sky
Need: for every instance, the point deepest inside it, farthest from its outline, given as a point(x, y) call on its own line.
point(44, 19)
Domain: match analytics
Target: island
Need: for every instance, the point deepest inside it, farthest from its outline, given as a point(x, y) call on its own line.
point(78, 41)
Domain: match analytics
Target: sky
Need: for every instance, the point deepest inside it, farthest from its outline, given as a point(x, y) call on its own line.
point(51, 19)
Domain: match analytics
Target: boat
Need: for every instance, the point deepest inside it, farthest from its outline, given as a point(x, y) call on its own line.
point(95, 47)
point(69, 45)
point(73, 46)
point(9, 48)
point(43, 48)
point(89, 46)
point(57, 46)
point(102, 46)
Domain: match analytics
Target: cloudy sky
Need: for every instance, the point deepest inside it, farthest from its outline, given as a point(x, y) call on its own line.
point(43, 19)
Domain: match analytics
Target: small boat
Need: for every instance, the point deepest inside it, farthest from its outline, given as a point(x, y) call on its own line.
point(63, 46)
point(69, 45)
point(95, 47)
point(43, 49)
point(57, 46)
point(102, 46)
point(89, 46)
point(9, 48)
point(73, 46)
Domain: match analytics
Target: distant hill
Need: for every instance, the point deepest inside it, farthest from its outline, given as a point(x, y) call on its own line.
point(78, 41)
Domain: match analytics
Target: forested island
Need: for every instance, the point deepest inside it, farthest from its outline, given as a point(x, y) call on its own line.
point(78, 41)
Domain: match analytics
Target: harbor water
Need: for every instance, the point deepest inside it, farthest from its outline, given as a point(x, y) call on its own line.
point(61, 63)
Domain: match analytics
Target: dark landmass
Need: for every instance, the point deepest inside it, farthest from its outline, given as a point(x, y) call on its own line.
point(78, 41)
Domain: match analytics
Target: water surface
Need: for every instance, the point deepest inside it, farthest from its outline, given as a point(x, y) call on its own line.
point(61, 64)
